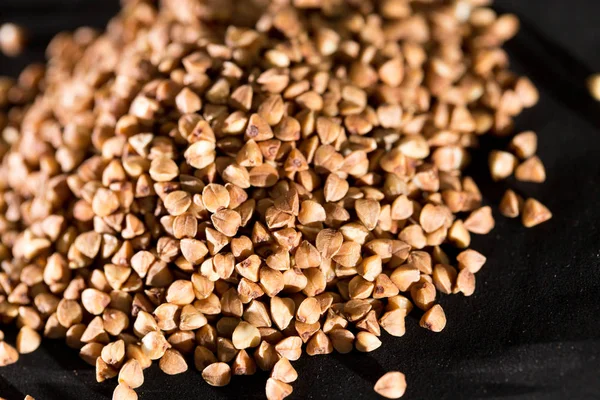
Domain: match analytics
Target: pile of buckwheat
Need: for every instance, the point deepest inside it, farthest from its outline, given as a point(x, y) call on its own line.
point(228, 184)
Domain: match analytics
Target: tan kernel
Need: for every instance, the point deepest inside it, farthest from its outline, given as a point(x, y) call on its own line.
point(28, 340)
point(217, 374)
point(434, 319)
point(531, 170)
point(367, 342)
point(392, 385)
point(277, 390)
point(511, 204)
point(534, 213)
point(173, 363)
point(502, 164)
point(524, 144)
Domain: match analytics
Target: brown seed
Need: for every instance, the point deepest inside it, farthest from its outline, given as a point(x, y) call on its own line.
point(173, 363)
point(180, 292)
point(404, 276)
point(319, 344)
point(131, 374)
point(12, 39)
point(348, 255)
point(432, 218)
point(459, 235)
point(402, 208)
point(105, 202)
point(370, 268)
point(188, 101)
point(368, 212)
point(245, 335)
point(335, 188)
point(193, 250)
point(367, 342)
point(531, 170)
point(217, 374)
point(534, 213)
point(226, 221)
point(271, 281)
point(369, 323)
point(328, 242)
point(414, 236)
point(392, 385)
point(356, 309)
point(264, 175)
point(390, 115)
point(163, 169)
point(113, 353)
point(185, 225)
point(191, 319)
point(284, 372)
point(88, 243)
point(28, 340)
point(203, 357)
point(393, 322)
point(277, 390)
point(342, 340)
point(290, 348)
point(465, 282)
point(480, 221)
point(471, 260)
point(249, 155)
point(423, 294)
point(392, 72)
point(104, 371)
point(309, 311)
point(200, 154)
point(178, 202)
point(256, 314)
point(258, 129)
point(69, 313)
point(243, 364)
point(511, 204)
point(226, 351)
point(524, 144)
point(593, 84)
point(165, 315)
point(384, 287)
point(90, 352)
point(282, 311)
point(154, 345)
point(307, 256)
point(444, 278)
point(434, 319)
point(124, 392)
point(527, 92)
point(328, 130)
point(502, 164)
point(94, 301)
point(215, 197)
point(360, 288)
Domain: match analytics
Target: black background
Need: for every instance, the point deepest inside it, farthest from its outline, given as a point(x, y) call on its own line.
point(532, 329)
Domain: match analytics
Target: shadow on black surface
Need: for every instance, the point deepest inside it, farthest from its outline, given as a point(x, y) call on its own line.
point(252, 386)
point(66, 357)
point(61, 392)
point(494, 390)
point(362, 365)
point(69, 361)
point(8, 391)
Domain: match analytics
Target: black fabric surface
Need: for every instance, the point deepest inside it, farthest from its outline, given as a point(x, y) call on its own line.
point(532, 328)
